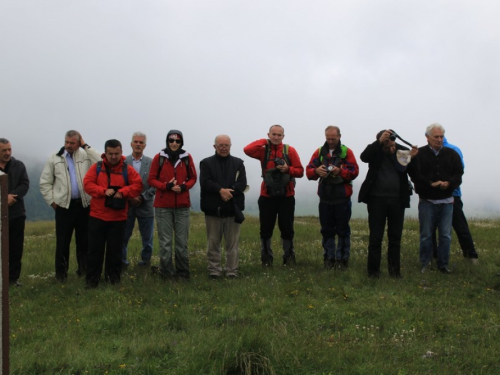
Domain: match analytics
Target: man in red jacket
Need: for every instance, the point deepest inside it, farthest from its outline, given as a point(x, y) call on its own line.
point(110, 183)
point(334, 166)
point(280, 166)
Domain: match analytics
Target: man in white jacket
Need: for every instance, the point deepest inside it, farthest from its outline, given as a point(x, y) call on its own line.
point(61, 185)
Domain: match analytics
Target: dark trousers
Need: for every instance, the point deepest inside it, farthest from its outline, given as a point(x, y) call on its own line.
point(334, 220)
point(16, 246)
point(461, 228)
point(75, 218)
point(281, 207)
point(381, 210)
point(105, 238)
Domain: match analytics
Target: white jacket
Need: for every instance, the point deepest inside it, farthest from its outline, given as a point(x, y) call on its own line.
point(55, 184)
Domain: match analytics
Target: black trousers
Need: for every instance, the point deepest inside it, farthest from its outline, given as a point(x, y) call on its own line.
point(75, 218)
point(16, 247)
point(281, 207)
point(105, 244)
point(381, 210)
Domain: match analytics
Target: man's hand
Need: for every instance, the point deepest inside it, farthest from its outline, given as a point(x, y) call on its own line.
point(226, 194)
point(137, 201)
point(12, 199)
point(385, 136)
point(443, 185)
point(109, 192)
point(118, 195)
point(54, 205)
point(335, 171)
point(283, 168)
point(82, 142)
point(321, 171)
point(414, 151)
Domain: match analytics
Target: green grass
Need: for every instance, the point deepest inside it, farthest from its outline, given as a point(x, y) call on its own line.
point(281, 320)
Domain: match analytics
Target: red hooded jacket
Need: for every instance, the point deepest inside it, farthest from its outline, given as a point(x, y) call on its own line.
point(165, 197)
point(96, 186)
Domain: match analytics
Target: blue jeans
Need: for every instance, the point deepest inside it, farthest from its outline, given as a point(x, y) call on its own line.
point(334, 220)
point(146, 228)
point(433, 216)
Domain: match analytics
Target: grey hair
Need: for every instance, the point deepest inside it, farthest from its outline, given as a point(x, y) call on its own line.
point(222, 135)
point(140, 134)
point(333, 127)
point(4, 141)
point(73, 133)
point(431, 127)
point(272, 126)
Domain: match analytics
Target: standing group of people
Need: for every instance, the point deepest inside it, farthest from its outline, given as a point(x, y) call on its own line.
point(99, 197)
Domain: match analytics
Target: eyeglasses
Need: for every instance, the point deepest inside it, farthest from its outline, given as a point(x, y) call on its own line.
point(223, 146)
point(178, 141)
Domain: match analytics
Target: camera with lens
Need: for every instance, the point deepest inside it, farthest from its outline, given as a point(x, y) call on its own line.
point(278, 161)
point(330, 168)
point(392, 137)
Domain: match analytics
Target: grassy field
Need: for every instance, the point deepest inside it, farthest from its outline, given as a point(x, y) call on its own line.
point(282, 320)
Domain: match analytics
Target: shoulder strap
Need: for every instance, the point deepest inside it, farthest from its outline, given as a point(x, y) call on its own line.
point(98, 168)
point(186, 161)
point(160, 166)
point(124, 172)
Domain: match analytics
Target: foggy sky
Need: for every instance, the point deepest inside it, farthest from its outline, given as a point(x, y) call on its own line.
point(109, 68)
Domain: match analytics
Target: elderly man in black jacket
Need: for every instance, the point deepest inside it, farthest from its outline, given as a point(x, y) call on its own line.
point(223, 181)
point(386, 191)
point(436, 172)
point(17, 189)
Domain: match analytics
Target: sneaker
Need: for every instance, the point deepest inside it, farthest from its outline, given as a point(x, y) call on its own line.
point(329, 264)
point(214, 277)
point(143, 263)
point(444, 270)
point(289, 260)
point(425, 268)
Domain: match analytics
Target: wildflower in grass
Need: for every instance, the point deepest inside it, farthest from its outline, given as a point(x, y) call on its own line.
point(122, 366)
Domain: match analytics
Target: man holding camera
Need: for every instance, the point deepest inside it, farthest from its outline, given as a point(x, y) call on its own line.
point(334, 166)
point(386, 191)
point(110, 183)
point(280, 166)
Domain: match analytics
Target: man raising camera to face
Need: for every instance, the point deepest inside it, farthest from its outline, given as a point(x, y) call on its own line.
point(280, 166)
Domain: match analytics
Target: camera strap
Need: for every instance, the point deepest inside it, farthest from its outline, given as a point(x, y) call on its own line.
point(401, 139)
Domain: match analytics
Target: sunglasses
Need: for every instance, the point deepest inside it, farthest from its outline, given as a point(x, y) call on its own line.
point(178, 141)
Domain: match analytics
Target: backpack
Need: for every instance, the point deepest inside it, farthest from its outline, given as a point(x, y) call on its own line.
point(276, 182)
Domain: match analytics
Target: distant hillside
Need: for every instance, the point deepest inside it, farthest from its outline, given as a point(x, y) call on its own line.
point(36, 208)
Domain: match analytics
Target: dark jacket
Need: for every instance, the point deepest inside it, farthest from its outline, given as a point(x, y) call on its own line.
point(18, 184)
point(373, 155)
point(217, 173)
point(427, 168)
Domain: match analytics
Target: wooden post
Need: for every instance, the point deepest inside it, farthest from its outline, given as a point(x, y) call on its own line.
point(4, 270)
